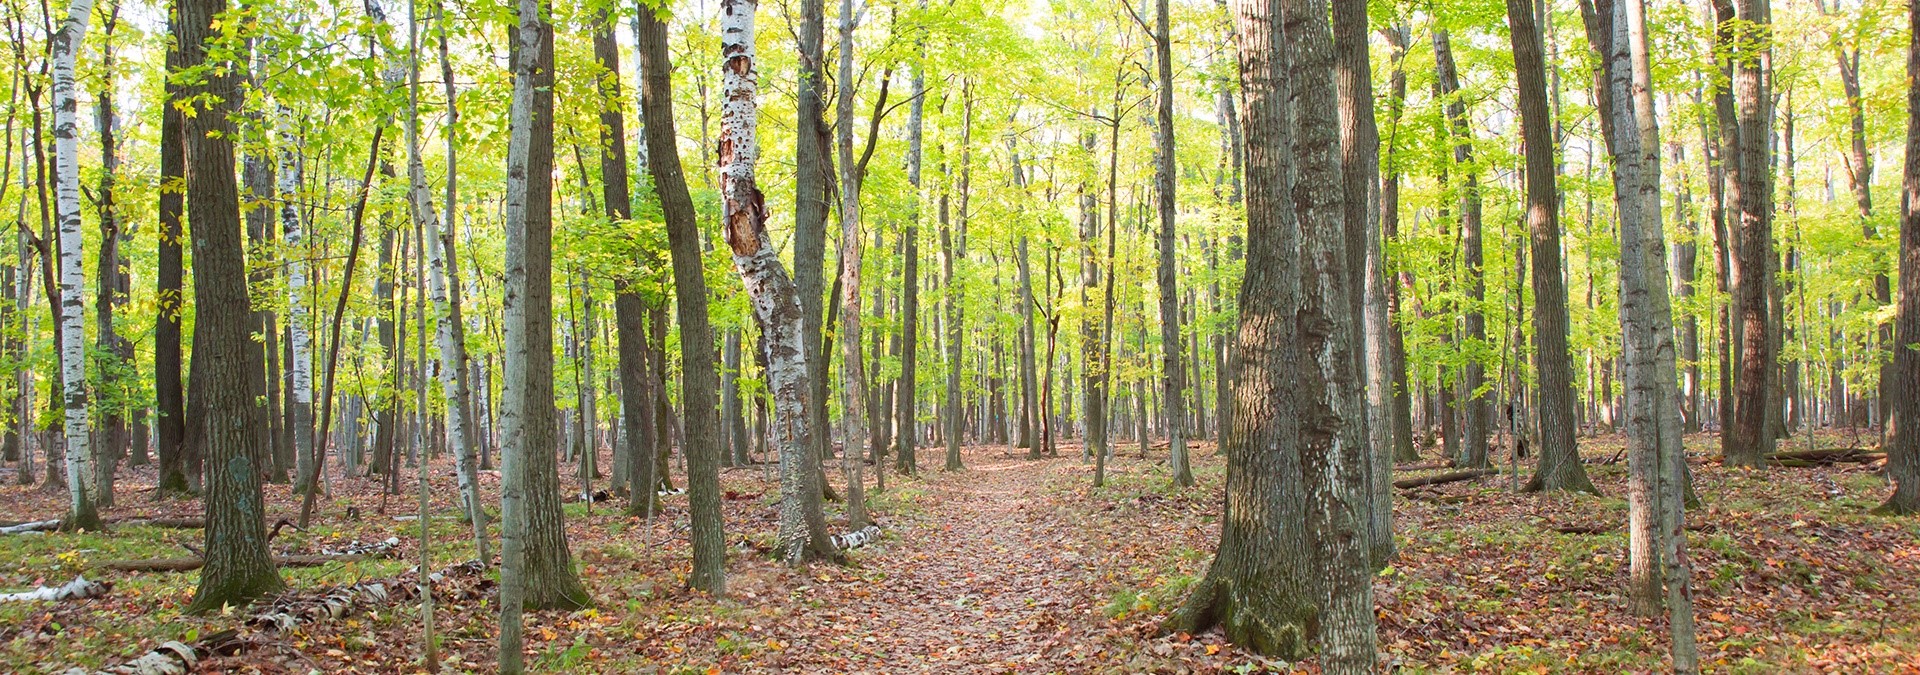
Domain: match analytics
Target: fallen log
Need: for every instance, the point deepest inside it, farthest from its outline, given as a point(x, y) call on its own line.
point(1444, 478)
point(1823, 457)
point(1424, 466)
point(1582, 528)
point(287, 611)
point(43, 526)
point(79, 588)
point(294, 609)
point(857, 539)
point(35, 527)
point(173, 657)
point(353, 552)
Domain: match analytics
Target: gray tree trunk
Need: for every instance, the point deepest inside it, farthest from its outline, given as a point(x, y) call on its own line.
point(1165, 191)
point(536, 569)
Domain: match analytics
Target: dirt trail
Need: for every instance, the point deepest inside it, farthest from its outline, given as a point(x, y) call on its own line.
point(991, 578)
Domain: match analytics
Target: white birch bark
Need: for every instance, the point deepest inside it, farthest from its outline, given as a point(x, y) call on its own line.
point(775, 300)
point(299, 339)
point(447, 329)
point(73, 354)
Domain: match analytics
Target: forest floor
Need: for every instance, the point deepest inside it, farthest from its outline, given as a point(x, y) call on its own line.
point(1017, 566)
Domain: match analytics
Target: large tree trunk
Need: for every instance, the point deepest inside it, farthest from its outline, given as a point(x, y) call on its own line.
point(1477, 408)
point(1904, 452)
point(114, 284)
point(1330, 394)
point(1749, 188)
point(1366, 264)
point(238, 566)
point(536, 567)
point(82, 505)
point(1282, 575)
point(1558, 465)
point(776, 301)
point(1164, 189)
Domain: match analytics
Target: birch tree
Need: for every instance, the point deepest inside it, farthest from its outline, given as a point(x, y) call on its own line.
point(82, 509)
point(299, 338)
point(776, 302)
point(449, 333)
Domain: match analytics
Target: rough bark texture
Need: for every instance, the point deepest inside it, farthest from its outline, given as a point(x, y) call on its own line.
point(1655, 456)
point(701, 381)
point(1749, 172)
point(1164, 187)
point(536, 567)
point(1265, 586)
point(238, 567)
point(1366, 263)
point(1329, 391)
point(813, 171)
point(1476, 410)
point(1558, 465)
point(776, 300)
point(1903, 457)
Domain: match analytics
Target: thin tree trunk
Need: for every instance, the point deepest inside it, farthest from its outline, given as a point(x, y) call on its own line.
point(1164, 187)
point(1477, 411)
point(1401, 281)
point(1366, 264)
point(1558, 465)
point(442, 261)
point(536, 567)
point(853, 371)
